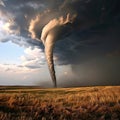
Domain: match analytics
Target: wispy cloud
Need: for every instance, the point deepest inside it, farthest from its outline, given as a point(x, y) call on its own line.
point(33, 58)
point(2, 3)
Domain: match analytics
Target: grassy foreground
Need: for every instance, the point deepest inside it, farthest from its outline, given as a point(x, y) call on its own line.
point(85, 103)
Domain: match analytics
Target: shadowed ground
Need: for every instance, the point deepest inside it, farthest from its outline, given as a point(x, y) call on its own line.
point(85, 103)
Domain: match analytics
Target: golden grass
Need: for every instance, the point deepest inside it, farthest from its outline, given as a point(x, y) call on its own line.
point(85, 103)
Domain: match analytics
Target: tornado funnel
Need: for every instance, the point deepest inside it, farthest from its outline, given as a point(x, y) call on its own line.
point(49, 35)
point(49, 45)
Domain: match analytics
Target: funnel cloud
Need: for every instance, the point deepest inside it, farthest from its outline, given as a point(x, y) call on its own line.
point(49, 36)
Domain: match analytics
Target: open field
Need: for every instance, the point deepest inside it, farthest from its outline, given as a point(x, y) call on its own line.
point(84, 103)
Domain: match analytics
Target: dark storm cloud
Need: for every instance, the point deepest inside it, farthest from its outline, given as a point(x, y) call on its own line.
point(98, 71)
point(88, 44)
point(89, 13)
point(114, 53)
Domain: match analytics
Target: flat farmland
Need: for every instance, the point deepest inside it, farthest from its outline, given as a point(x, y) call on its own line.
point(80, 103)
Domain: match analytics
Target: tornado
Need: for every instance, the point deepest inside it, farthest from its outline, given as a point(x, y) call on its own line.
point(49, 35)
point(49, 45)
point(48, 39)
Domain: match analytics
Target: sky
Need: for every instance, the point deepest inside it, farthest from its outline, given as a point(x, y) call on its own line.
point(86, 50)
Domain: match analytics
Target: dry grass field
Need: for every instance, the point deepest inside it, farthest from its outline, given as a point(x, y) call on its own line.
point(84, 103)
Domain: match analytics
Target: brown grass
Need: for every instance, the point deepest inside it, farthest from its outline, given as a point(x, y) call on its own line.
point(85, 103)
